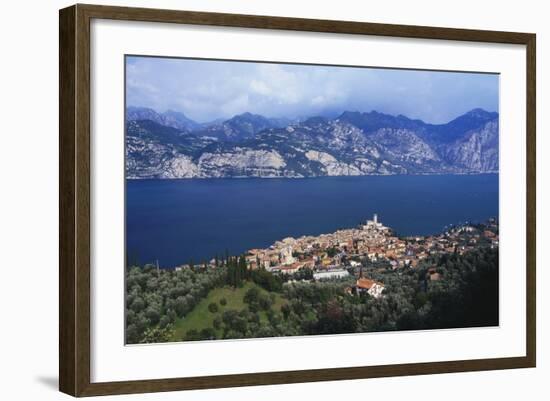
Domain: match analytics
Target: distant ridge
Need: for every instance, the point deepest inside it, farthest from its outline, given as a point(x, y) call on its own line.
point(170, 145)
point(169, 118)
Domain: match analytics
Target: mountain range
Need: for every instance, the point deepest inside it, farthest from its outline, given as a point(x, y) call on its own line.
point(171, 145)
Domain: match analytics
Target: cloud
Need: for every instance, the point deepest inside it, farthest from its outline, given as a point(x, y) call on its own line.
point(236, 105)
point(260, 87)
point(206, 90)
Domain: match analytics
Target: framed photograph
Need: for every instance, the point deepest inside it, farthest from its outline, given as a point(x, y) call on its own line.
point(250, 200)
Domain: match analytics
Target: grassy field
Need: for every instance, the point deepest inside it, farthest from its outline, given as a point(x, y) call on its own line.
point(201, 318)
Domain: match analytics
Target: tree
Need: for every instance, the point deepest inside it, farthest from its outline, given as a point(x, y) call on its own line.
point(153, 314)
point(138, 304)
point(192, 335)
point(207, 334)
point(251, 296)
point(243, 268)
point(235, 321)
point(157, 335)
point(285, 309)
point(265, 301)
point(226, 261)
point(181, 306)
point(213, 307)
point(267, 280)
point(164, 321)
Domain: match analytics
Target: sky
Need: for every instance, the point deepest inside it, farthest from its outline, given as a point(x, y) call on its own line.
point(206, 90)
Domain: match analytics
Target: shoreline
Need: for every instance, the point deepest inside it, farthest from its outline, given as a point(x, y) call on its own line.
point(387, 231)
point(267, 178)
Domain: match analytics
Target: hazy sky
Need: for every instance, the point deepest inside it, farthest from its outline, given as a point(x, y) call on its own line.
point(206, 90)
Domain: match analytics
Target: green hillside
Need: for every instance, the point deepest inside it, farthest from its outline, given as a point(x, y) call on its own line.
point(201, 318)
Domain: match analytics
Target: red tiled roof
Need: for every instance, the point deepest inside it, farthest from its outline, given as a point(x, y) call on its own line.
point(365, 283)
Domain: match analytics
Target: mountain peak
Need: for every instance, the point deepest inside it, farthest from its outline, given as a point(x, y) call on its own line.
point(170, 118)
point(473, 117)
point(248, 116)
point(456, 128)
point(315, 120)
point(374, 120)
point(481, 113)
point(134, 110)
point(171, 112)
point(350, 113)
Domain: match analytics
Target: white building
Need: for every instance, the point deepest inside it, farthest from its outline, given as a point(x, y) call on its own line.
point(374, 224)
point(340, 273)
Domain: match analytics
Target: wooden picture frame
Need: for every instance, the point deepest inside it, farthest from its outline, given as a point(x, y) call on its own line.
point(74, 199)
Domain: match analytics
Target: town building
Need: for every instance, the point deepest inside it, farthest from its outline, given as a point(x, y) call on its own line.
point(328, 274)
point(374, 224)
point(371, 243)
point(373, 288)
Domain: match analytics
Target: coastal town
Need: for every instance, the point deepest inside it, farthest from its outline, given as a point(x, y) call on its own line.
point(350, 253)
point(346, 252)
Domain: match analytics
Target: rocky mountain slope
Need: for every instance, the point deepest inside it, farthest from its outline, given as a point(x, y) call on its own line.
point(169, 118)
point(248, 145)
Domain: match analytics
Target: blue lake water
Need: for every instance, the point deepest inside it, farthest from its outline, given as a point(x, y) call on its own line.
point(175, 221)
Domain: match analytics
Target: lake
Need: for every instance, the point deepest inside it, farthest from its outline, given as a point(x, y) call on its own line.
point(175, 221)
